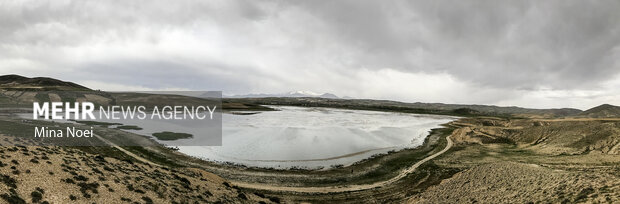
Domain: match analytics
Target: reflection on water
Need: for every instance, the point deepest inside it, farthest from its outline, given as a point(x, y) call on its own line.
point(315, 137)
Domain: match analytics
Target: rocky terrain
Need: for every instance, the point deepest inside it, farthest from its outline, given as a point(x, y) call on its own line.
point(573, 160)
point(555, 136)
point(511, 182)
point(62, 174)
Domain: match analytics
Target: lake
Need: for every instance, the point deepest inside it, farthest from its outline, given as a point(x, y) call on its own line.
point(315, 137)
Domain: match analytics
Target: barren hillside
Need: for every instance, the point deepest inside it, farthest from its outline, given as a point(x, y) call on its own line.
point(63, 174)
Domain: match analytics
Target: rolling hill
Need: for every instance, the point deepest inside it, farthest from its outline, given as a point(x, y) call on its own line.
point(20, 91)
point(14, 82)
point(602, 111)
point(292, 94)
point(423, 108)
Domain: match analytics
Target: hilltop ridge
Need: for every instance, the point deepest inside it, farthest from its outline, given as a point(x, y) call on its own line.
point(291, 94)
point(602, 111)
point(14, 81)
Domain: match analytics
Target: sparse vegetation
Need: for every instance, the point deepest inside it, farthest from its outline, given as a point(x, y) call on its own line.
point(12, 198)
point(129, 127)
point(166, 135)
point(104, 124)
point(36, 196)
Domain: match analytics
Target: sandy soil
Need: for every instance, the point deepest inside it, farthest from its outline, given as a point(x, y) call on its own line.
point(510, 182)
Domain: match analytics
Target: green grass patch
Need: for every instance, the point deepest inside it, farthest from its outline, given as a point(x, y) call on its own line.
point(171, 135)
point(103, 124)
point(129, 127)
point(42, 97)
point(433, 173)
point(16, 129)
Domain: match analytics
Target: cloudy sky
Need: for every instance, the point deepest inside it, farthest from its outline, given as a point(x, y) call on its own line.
point(526, 53)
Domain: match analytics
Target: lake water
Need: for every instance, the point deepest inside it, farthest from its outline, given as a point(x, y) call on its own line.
point(314, 137)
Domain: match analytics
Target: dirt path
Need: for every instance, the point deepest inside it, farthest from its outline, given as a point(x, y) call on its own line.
point(576, 119)
point(139, 158)
point(346, 188)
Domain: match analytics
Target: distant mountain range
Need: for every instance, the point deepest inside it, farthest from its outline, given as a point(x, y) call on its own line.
point(425, 108)
point(15, 88)
point(291, 94)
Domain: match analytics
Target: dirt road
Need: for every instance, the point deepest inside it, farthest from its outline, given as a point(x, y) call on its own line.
point(335, 189)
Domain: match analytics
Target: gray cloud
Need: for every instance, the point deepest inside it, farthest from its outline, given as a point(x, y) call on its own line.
point(561, 44)
point(487, 49)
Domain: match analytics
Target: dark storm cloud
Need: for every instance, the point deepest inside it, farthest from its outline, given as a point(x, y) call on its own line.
point(562, 44)
point(567, 49)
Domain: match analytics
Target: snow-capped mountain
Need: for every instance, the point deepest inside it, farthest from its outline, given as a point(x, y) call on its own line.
point(302, 94)
point(288, 94)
